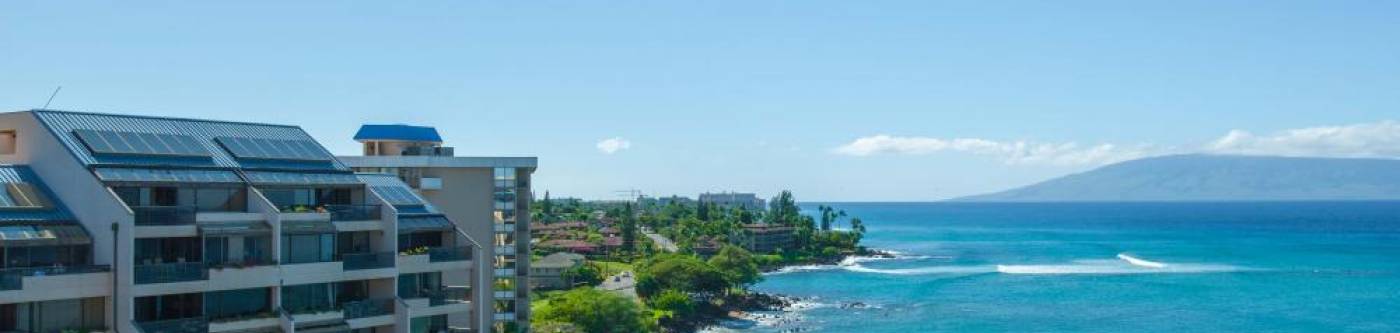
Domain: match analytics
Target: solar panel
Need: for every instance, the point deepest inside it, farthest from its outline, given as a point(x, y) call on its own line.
point(269, 149)
point(22, 196)
point(266, 177)
point(166, 175)
point(397, 195)
point(129, 143)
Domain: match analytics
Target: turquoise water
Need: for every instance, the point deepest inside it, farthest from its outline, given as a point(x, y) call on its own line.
point(1190, 267)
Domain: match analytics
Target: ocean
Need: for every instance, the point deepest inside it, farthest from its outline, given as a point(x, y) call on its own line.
point(1104, 267)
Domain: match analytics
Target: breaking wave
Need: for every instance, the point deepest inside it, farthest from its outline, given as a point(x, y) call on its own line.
point(1122, 264)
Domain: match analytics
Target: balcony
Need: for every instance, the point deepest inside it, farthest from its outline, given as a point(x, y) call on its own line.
point(505, 316)
point(505, 272)
point(455, 253)
point(359, 261)
point(368, 308)
point(504, 294)
point(164, 215)
point(448, 295)
point(505, 227)
point(354, 212)
point(173, 272)
point(505, 250)
point(13, 278)
point(186, 325)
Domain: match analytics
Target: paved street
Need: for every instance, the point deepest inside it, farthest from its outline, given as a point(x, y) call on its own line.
point(622, 283)
point(662, 241)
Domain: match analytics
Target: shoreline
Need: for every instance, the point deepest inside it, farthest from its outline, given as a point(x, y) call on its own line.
point(752, 302)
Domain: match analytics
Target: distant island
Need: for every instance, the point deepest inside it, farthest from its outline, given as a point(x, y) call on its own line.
point(1217, 178)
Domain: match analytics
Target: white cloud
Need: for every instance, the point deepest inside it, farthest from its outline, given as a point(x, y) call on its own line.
point(1375, 140)
point(1012, 152)
point(613, 145)
point(1379, 139)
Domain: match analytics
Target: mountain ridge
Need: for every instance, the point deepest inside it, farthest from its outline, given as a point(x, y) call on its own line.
point(1200, 177)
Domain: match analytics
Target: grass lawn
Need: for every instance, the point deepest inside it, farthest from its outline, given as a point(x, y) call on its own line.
point(612, 267)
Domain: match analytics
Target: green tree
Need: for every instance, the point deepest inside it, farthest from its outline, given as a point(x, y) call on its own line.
point(586, 274)
point(679, 272)
point(677, 303)
point(547, 209)
point(739, 267)
point(594, 311)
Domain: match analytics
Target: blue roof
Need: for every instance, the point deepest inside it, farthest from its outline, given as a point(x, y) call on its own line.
point(63, 124)
point(22, 174)
point(398, 132)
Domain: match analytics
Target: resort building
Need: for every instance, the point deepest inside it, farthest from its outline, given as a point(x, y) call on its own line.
point(765, 238)
point(548, 272)
point(746, 201)
point(487, 197)
point(164, 225)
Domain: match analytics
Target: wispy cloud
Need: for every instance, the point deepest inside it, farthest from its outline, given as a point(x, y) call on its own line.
point(1379, 139)
point(613, 145)
point(1376, 140)
point(1012, 152)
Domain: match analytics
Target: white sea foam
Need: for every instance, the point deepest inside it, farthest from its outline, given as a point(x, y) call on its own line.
point(1124, 264)
point(1140, 262)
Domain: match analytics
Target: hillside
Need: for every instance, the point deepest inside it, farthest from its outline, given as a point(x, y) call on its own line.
point(1218, 178)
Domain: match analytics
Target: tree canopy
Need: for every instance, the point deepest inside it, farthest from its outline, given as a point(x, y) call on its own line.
point(594, 311)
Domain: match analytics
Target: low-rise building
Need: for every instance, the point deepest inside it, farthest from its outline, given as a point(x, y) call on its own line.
point(549, 271)
point(765, 238)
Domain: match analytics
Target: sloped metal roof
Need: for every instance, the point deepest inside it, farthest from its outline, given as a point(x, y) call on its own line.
point(396, 192)
point(63, 123)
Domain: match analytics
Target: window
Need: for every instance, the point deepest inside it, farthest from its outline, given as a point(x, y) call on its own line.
point(419, 284)
point(237, 303)
point(297, 249)
point(8, 142)
point(168, 307)
point(151, 251)
point(353, 242)
point(307, 297)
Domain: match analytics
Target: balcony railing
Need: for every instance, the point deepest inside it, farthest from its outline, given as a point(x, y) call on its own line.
point(448, 295)
point(353, 212)
point(505, 272)
point(173, 272)
point(13, 278)
point(505, 227)
point(357, 261)
point(186, 325)
point(368, 308)
point(452, 253)
point(504, 294)
point(164, 215)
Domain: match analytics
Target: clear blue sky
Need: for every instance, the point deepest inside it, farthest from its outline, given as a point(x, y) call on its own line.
point(741, 95)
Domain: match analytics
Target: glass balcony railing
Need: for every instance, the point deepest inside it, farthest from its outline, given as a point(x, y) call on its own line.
point(164, 215)
point(186, 325)
point(353, 212)
point(448, 295)
point(358, 261)
point(368, 308)
point(449, 253)
point(13, 278)
point(173, 272)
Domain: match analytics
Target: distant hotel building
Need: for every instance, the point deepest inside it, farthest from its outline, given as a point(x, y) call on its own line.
point(748, 201)
point(488, 198)
point(765, 238)
point(164, 225)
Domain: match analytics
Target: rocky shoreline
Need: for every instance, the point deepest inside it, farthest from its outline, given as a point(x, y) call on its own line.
point(744, 310)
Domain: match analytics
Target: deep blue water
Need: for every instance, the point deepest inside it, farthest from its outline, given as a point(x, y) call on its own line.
point(1161, 267)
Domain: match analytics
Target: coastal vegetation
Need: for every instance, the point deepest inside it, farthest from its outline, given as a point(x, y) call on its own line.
point(707, 276)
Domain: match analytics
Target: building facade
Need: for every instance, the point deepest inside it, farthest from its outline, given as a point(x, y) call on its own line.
point(766, 238)
point(747, 201)
point(162, 225)
point(488, 198)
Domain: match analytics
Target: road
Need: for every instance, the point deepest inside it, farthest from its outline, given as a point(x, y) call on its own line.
point(623, 284)
point(662, 241)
